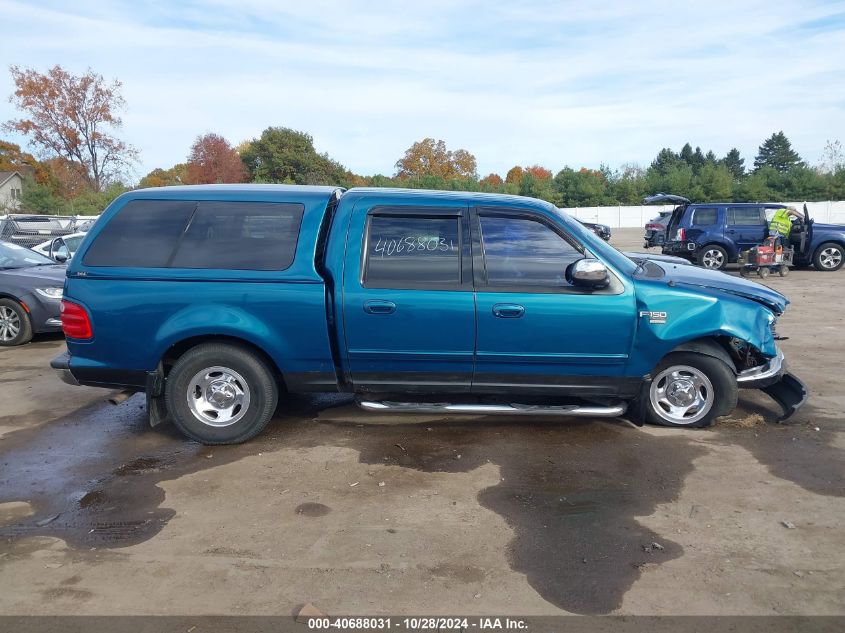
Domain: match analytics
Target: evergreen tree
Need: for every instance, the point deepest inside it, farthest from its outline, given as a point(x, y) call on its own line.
point(776, 152)
point(735, 163)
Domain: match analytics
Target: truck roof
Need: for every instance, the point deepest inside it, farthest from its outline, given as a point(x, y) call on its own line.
point(187, 191)
point(478, 196)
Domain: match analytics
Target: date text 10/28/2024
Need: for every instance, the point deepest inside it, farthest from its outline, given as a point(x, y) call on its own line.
point(417, 624)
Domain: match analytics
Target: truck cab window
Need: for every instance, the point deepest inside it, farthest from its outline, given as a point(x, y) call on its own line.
point(407, 251)
point(524, 252)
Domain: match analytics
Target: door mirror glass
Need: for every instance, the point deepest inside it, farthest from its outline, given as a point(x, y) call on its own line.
point(587, 273)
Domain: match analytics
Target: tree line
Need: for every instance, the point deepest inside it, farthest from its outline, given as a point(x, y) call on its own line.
point(72, 121)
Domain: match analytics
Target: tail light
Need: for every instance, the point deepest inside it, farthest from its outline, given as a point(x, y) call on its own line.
point(680, 235)
point(75, 321)
point(653, 227)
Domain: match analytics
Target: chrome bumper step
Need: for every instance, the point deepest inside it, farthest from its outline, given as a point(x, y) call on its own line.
point(574, 410)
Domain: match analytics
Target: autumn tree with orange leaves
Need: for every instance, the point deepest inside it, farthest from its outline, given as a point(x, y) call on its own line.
point(431, 158)
point(491, 181)
point(514, 175)
point(73, 117)
point(213, 161)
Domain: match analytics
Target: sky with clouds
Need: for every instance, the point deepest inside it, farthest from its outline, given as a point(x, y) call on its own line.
point(553, 83)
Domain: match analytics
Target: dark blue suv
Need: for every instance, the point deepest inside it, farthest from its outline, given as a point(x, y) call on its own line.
point(713, 234)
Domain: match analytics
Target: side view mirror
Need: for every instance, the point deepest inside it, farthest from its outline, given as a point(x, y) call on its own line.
point(60, 257)
point(587, 273)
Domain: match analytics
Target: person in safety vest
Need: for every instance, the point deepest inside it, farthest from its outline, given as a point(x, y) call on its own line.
point(781, 225)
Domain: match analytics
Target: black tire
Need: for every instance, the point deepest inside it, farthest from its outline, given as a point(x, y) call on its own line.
point(722, 380)
point(713, 256)
point(763, 272)
point(14, 317)
point(829, 257)
point(242, 366)
point(783, 271)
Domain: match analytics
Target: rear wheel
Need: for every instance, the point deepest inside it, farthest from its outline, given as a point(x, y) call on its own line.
point(218, 393)
point(690, 390)
point(763, 272)
point(829, 257)
point(713, 257)
point(15, 326)
point(783, 271)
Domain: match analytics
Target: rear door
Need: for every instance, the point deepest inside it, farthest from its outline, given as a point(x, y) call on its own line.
point(536, 332)
point(408, 302)
point(745, 227)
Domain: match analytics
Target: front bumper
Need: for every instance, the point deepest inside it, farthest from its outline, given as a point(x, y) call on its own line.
point(762, 376)
point(61, 364)
point(781, 386)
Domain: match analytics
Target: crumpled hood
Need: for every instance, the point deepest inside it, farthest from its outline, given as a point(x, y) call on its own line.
point(693, 276)
point(31, 275)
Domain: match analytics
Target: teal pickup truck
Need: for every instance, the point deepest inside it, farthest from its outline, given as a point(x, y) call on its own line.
point(216, 300)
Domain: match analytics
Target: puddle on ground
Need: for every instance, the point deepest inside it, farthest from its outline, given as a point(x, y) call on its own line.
point(312, 509)
point(571, 491)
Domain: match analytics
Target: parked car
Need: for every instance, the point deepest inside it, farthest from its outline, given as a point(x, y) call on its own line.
point(602, 230)
point(655, 230)
point(30, 294)
point(216, 299)
point(713, 234)
point(61, 248)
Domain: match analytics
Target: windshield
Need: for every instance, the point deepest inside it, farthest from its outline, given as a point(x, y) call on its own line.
point(14, 256)
point(73, 242)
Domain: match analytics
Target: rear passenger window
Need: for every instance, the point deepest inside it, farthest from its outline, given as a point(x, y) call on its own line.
point(240, 236)
point(407, 251)
point(141, 235)
point(704, 217)
point(745, 215)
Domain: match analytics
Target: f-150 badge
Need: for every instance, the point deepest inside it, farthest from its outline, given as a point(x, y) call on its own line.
point(654, 317)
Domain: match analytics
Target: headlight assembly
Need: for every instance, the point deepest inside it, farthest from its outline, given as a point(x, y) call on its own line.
point(50, 293)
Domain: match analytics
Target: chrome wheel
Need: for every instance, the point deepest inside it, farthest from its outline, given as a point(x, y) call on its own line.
point(218, 396)
point(830, 257)
point(681, 395)
point(713, 258)
point(10, 324)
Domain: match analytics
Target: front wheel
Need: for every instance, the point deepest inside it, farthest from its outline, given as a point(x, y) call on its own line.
point(690, 390)
point(15, 326)
point(219, 393)
point(713, 257)
point(829, 257)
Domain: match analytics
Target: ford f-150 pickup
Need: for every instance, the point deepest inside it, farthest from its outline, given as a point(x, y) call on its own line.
point(217, 300)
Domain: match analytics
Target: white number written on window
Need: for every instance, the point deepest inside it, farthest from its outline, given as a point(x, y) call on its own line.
point(419, 244)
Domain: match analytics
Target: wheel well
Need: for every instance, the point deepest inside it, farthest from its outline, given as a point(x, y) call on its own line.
point(177, 349)
point(724, 247)
point(839, 243)
point(709, 346)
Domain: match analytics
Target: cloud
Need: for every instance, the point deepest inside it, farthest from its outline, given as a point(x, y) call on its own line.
point(522, 82)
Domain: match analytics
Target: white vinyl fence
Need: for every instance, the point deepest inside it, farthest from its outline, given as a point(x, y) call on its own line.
point(635, 216)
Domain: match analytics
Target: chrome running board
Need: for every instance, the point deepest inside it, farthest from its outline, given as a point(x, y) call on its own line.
point(590, 411)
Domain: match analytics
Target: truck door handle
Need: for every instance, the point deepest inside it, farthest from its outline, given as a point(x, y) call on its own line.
point(379, 306)
point(508, 310)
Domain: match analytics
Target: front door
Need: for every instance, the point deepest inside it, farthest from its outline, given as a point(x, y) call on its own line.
point(536, 332)
point(408, 303)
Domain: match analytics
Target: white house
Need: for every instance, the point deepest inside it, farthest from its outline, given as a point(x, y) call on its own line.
point(11, 186)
